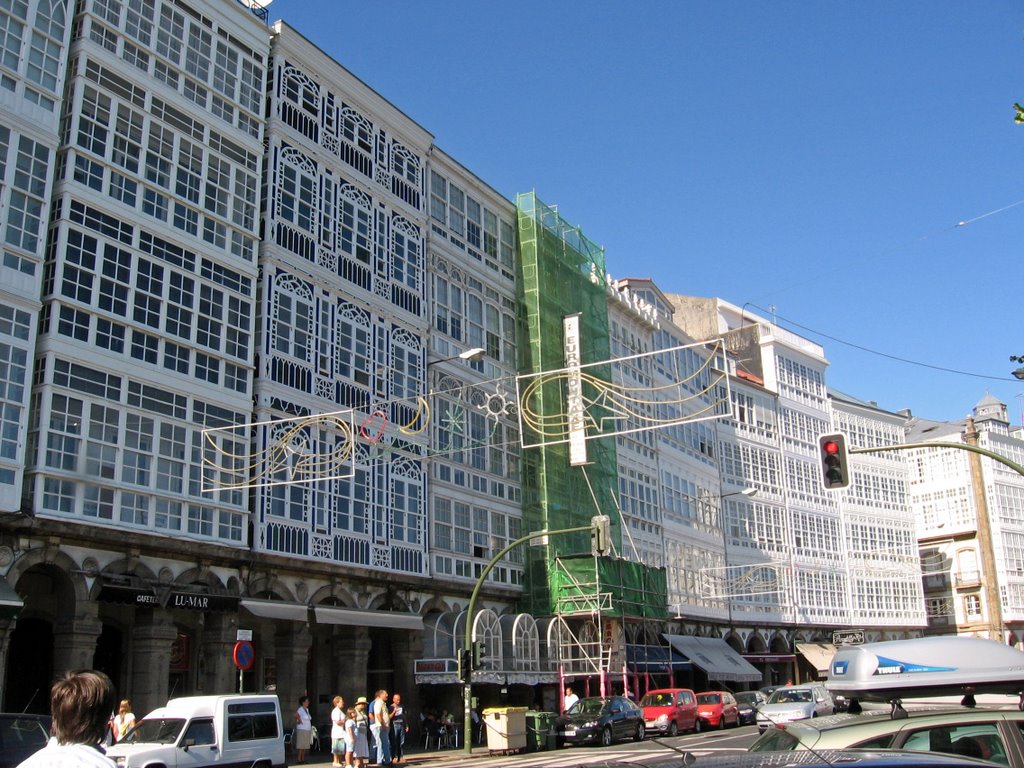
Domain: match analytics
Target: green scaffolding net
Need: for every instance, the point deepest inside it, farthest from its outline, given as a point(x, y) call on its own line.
point(562, 273)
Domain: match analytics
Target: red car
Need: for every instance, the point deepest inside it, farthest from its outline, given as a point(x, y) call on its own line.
point(718, 709)
point(670, 710)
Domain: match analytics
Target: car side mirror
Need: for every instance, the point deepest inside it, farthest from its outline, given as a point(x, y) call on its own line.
point(188, 743)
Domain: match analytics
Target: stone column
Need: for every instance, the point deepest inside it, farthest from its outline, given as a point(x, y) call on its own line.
point(74, 639)
point(406, 647)
point(292, 644)
point(354, 659)
point(6, 628)
point(152, 637)
point(217, 672)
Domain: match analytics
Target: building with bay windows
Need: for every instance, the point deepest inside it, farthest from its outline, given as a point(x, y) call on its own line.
point(279, 345)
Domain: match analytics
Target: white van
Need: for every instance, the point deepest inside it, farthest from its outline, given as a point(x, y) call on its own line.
point(196, 731)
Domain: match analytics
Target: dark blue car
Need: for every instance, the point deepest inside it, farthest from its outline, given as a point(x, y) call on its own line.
point(602, 721)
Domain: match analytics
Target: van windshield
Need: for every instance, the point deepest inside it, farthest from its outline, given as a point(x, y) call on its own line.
point(159, 730)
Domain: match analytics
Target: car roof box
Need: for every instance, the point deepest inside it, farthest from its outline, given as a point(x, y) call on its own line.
point(927, 666)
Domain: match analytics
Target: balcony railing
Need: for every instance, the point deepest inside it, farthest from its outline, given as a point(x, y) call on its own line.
point(967, 579)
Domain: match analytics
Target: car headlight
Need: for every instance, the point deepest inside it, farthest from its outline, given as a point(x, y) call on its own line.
point(589, 724)
point(662, 719)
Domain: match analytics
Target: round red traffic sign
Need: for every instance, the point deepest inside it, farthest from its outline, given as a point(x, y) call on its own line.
point(244, 655)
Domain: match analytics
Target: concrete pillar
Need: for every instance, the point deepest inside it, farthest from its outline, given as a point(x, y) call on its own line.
point(74, 639)
point(354, 657)
point(6, 628)
point(292, 644)
point(406, 647)
point(217, 672)
point(152, 638)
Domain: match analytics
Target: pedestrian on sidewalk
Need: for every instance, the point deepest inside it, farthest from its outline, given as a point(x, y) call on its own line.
point(303, 734)
point(398, 728)
point(362, 733)
point(338, 732)
point(380, 717)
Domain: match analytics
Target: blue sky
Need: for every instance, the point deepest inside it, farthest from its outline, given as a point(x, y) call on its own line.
point(814, 157)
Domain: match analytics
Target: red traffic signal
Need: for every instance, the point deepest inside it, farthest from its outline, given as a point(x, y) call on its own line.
point(835, 461)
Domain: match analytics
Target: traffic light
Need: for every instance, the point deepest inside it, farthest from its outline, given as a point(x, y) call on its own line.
point(835, 461)
point(463, 663)
point(601, 534)
point(479, 653)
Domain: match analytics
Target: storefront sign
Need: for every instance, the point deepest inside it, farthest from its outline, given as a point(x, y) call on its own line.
point(200, 601)
point(848, 637)
point(127, 594)
point(433, 666)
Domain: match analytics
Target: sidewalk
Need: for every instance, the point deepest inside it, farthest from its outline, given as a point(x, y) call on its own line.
point(414, 756)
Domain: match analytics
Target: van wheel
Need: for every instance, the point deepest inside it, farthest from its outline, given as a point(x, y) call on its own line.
point(673, 729)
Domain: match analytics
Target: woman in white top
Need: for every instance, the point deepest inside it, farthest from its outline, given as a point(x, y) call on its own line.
point(123, 720)
point(338, 732)
point(303, 729)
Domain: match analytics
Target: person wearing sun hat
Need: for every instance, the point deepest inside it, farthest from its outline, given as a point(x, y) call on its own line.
point(362, 750)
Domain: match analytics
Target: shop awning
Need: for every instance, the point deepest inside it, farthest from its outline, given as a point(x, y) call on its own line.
point(277, 609)
point(125, 589)
point(819, 654)
point(357, 618)
point(715, 657)
point(10, 603)
point(654, 658)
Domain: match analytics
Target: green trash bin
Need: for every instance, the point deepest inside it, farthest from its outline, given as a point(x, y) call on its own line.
point(550, 735)
point(536, 731)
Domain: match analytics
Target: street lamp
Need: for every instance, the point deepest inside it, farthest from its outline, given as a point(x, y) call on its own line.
point(470, 356)
point(1018, 373)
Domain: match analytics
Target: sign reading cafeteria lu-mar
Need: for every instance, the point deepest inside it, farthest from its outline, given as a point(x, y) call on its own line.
point(574, 395)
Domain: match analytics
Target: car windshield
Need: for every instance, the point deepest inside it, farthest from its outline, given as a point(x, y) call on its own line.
point(789, 696)
point(746, 697)
point(23, 731)
point(159, 730)
point(656, 700)
point(709, 698)
point(587, 707)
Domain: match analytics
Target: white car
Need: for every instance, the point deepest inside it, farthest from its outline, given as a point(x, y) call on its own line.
point(795, 702)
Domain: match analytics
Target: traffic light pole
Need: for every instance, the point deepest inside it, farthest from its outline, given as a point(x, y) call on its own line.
point(962, 446)
point(993, 603)
point(467, 641)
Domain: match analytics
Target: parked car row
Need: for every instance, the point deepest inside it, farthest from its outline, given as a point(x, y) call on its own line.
point(664, 711)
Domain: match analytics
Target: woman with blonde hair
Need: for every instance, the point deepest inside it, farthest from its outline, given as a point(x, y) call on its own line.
point(338, 731)
point(123, 720)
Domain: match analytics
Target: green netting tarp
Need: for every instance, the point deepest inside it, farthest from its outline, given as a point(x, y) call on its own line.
point(561, 273)
point(615, 586)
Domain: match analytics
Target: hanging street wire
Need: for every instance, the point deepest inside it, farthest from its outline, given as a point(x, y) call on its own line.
point(897, 358)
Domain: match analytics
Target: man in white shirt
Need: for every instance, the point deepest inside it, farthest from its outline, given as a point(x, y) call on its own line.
point(570, 699)
point(80, 704)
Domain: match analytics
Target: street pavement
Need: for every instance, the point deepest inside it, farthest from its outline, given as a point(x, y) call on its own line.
point(651, 750)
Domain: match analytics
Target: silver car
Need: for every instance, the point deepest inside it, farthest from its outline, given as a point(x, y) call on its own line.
point(795, 702)
point(995, 735)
